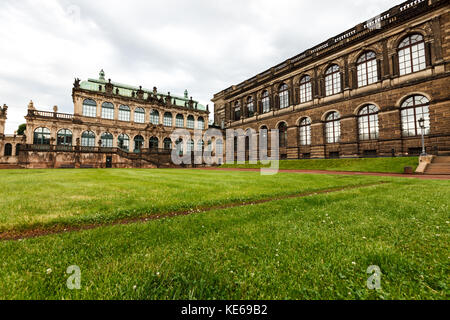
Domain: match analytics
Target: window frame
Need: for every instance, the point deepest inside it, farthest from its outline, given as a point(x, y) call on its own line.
point(305, 89)
point(89, 110)
point(124, 113)
point(305, 131)
point(335, 125)
point(333, 80)
point(362, 64)
point(402, 48)
point(283, 96)
point(404, 108)
point(368, 120)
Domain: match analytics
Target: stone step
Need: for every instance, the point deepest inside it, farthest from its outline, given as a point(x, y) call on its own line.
point(441, 159)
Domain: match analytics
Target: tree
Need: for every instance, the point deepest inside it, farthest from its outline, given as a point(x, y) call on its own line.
point(21, 129)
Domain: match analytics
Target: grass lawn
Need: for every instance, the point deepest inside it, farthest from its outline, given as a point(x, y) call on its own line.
point(313, 247)
point(386, 165)
point(43, 198)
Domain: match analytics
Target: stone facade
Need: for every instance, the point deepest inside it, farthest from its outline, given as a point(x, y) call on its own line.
point(56, 140)
point(390, 86)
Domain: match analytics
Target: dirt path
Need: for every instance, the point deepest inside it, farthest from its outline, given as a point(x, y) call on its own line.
point(378, 174)
point(39, 232)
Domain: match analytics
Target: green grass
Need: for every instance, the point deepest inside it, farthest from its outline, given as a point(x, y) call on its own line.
point(385, 165)
point(45, 198)
point(316, 247)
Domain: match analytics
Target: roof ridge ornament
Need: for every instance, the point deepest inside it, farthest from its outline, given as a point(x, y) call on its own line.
point(102, 75)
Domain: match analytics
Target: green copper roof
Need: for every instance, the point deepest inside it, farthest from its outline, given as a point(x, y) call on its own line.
point(127, 90)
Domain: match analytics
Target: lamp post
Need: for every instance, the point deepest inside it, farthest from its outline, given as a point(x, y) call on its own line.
point(422, 126)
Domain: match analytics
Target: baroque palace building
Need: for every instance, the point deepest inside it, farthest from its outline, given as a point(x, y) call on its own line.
point(113, 125)
point(360, 93)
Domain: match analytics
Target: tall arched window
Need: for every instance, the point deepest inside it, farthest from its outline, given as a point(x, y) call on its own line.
point(8, 150)
point(154, 117)
point(190, 122)
point(167, 144)
point(333, 127)
point(250, 107)
point(305, 132)
point(107, 140)
point(413, 109)
point(200, 123)
point(107, 110)
point(282, 128)
point(411, 54)
point(139, 115)
point(237, 111)
point(88, 139)
point(179, 146)
point(124, 113)
point(190, 146)
point(154, 143)
point(219, 147)
point(64, 137)
point(200, 144)
point(305, 89)
point(265, 101)
point(89, 108)
point(179, 121)
point(18, 146)
point(123, 142)
point(41, 136)
point(367, 69)
point(264, 132)
point(167, 119)
point(138, 143)
point(368, 122)
point(332, 80)
point(284, 96)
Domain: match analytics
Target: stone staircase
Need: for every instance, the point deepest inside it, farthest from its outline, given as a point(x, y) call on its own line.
point(440, 165)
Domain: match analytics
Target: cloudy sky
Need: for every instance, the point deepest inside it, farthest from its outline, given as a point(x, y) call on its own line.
point(200, 45)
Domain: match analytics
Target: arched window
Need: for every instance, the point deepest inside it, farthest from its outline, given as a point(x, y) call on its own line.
point(219, 147)
point(107, 140)
point(18, 146)
point(89, 108)
point(167, 144)
point(138, 143)
point(190, 146)
point(41, 136)
point(154, 117)
point(413, 109)
point(250, 107)
point(123, 142)
point(282, 128)
point(332, 80)
point(305, 132)
point(179, 146)
point(265, 101)
point(411, 54)
point(367, 69)
point(200, 123)
point(333, 127)
point(368, 122)
point(190, 122)
point(139, 115)
point(88, 139)
point(64, 137)
point(107, 110)
point(237, 111)
point(8, 150)
point(179, 122)
point(154, 143)
point(284, 96)
point(200, 144)
point(124, 113)
point(167, 119)
point(305, 89)
point(264, 132)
